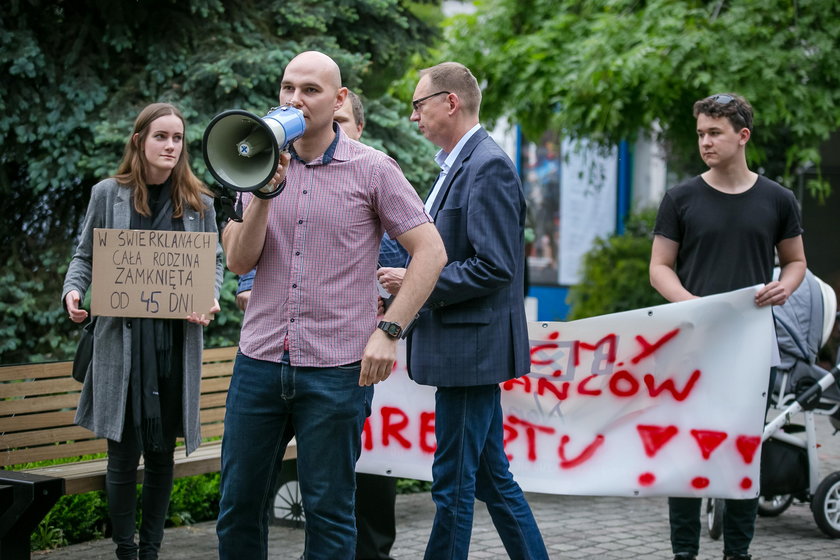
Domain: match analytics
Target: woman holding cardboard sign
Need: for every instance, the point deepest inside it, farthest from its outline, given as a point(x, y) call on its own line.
point(142, 389)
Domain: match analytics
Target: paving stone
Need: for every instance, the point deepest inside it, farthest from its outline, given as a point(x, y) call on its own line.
point(573, 527)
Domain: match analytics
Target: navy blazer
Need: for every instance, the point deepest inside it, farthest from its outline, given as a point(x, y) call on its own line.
point(472, 330)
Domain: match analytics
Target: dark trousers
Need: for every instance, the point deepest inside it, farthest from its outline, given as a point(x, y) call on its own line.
point(738, 517)
point(375, 519)
point(738, 525)
point(121, 487)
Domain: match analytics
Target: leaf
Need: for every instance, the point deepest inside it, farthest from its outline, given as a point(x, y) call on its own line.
point(605, 70)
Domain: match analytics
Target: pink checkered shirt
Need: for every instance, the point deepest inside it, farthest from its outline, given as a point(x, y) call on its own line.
point(316, 278)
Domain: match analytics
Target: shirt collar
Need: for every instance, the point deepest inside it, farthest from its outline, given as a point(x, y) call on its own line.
point(328, 155)
point(446, 160)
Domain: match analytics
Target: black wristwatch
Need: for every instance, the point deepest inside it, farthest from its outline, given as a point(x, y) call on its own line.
point(394, 330)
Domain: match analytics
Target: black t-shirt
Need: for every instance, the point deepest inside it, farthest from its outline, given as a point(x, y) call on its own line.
point(727, 241)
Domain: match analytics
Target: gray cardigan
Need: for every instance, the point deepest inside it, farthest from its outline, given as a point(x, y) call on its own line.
point(102, 404)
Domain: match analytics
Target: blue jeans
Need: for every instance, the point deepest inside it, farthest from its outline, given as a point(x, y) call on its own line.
point(327, 409)
point(470, 462)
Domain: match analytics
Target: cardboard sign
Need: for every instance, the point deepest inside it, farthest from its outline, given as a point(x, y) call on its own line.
point(663, 401)
point(146, 273)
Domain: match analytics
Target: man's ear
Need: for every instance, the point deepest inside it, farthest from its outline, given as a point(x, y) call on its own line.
point(340, 98)
point(745, 134)
point(454, 102)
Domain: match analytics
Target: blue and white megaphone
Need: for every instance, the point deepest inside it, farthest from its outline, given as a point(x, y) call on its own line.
point(242, 150)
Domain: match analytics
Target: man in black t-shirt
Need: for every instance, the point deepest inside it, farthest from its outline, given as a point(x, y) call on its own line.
point(715, 233)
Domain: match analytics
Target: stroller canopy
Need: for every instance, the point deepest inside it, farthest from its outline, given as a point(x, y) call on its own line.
point(800, 322)
point(803, 325)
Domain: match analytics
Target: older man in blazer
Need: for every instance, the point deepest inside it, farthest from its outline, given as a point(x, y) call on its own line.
point(472, 333)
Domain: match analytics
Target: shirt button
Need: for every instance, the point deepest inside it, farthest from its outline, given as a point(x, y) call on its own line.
point(297, 253)
point(128, 324)
point(300, 221)
point(305, 191)
point(291, 320)
point(294, 285)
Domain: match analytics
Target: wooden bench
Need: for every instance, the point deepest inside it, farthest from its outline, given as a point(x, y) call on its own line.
point(37, 407)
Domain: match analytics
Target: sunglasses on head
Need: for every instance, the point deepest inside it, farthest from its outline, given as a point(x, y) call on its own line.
point(722, 98)
point(726, 99)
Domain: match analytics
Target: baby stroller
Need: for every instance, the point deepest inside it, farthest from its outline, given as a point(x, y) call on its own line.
point(789, 461)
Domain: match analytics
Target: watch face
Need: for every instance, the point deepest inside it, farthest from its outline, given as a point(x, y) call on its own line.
point(393, 329)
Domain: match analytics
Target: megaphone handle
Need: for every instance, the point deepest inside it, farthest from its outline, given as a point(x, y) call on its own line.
point(267, 196)
point(233, 213)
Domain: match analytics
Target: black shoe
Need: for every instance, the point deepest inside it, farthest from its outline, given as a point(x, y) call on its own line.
point(685, 556)
point(737, 557)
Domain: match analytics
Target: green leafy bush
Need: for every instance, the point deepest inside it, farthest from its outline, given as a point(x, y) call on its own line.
point(194, 499)
point(33, 325)
point(615, 272)
point(411, 486)
point(47, 536)
point(73, 519)
point(83, 517)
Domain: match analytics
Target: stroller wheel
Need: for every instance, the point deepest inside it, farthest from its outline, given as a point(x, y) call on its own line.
point(771, 506)
point(714, 516)
point(826, 505)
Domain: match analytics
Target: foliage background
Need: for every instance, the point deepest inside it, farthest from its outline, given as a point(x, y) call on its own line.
point(605, 70)
point(78, 72)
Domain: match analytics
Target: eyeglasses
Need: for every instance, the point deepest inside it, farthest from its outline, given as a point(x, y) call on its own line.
point(417, 102)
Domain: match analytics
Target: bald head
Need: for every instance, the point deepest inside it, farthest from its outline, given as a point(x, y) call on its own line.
point(312, 83)
point(316, 63)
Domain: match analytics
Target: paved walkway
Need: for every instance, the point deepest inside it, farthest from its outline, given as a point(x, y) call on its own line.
point(574, 527)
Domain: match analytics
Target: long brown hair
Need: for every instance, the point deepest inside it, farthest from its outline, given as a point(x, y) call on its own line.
point(186, 187)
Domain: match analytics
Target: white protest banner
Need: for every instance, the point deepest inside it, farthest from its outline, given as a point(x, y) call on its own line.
point(147, 273)
point(664, 401)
